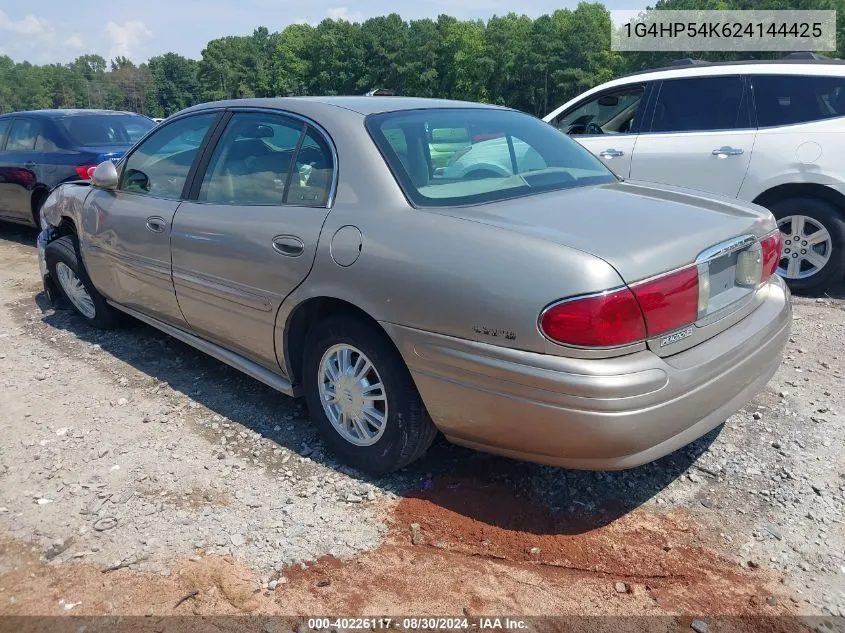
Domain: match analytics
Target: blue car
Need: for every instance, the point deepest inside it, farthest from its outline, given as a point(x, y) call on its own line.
point(44, 148)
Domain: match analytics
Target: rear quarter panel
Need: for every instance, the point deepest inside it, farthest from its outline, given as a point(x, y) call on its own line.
point(803, 153)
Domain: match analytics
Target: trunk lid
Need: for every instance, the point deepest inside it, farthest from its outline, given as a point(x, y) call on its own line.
point(639, 229)
point(643, 231)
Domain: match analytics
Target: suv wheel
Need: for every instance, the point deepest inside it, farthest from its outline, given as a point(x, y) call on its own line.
point(813, 243)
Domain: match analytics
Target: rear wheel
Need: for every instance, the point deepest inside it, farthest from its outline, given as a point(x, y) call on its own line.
point(67, 271)
point(813, 243)
point(361, 396)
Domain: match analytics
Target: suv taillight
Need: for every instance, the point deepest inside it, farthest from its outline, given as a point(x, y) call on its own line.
point(85, 171)
point(772, 246)
point(628, 315)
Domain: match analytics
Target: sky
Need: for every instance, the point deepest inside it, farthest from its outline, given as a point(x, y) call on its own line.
point(58, 31)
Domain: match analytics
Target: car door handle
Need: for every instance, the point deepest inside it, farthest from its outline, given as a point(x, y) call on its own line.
point(156, 224)
point(611, 153)
point(288, 245)
point(727, 150)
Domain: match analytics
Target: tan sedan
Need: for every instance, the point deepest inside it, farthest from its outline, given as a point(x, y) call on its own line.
point(544, 310)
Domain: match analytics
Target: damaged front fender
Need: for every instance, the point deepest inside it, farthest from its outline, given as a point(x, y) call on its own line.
point(61, 213)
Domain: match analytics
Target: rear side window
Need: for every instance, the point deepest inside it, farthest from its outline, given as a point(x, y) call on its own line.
point(105, 129)
point(789, 99)
point(463, 156)
point(45, 144)
point(264, 159)
point(4, 126)
point(701, 104)
point(22, 135)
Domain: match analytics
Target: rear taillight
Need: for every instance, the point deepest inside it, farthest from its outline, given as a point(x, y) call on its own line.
point(85, 171)
point(606, 320)
point(772, 246)
point(628, 315)
point(670, 301)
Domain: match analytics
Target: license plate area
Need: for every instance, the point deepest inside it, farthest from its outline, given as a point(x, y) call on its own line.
point(717, 269)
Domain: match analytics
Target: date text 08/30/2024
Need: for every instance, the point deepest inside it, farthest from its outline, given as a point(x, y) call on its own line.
point(411, 623)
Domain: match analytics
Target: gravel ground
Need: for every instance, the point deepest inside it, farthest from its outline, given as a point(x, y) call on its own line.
point(129, 451)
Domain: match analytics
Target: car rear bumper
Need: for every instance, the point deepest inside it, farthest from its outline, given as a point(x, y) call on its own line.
point(595, 414)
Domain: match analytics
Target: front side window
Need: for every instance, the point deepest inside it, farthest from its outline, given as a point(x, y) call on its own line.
point(701, 104)
point(93, 130)
point(609, 113)
point(263, 159)
point(22, 135)
point(160, 165)
point(790, 99)
point(503, 154)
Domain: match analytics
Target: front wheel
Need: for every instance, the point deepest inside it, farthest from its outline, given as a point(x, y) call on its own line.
point(362, 398)
point(813, 243)
point(67, 271)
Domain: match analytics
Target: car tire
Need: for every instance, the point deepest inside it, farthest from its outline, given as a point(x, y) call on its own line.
point(65, 267)
point(407, 430)
point(816, 214)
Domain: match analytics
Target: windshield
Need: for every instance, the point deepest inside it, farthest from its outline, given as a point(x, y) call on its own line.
point(106, 129)
point(452, 156)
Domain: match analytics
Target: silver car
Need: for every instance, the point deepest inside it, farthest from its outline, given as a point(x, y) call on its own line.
point(548, 312)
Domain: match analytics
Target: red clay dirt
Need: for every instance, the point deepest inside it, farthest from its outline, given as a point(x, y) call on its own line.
point(480, 550)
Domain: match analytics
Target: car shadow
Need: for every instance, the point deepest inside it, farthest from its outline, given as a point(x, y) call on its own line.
point(837, 291)
point(18, 233)
point(565, 501)
point(536, 499)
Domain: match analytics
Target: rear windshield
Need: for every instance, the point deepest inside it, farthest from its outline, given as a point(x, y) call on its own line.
point(463, 156)
point(106, 129)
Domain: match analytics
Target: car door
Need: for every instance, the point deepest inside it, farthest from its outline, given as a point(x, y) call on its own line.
point(606, 124)
point(18, 169)
point(700, 135)
point(250, 235)
point(126, 247)
point(5, 124)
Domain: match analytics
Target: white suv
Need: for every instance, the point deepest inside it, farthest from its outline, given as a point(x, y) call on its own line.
point(772, 133)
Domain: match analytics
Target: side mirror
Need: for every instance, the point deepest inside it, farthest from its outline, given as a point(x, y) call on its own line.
point(105, 175)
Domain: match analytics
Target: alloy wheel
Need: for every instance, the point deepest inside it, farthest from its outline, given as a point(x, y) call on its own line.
point(807, 247)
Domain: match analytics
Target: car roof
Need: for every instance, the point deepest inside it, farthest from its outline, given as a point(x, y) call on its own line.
point(59, 112)
point(692, 67)
point(361, 105)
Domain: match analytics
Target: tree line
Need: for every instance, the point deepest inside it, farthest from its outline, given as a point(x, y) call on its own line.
point(529, 64)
